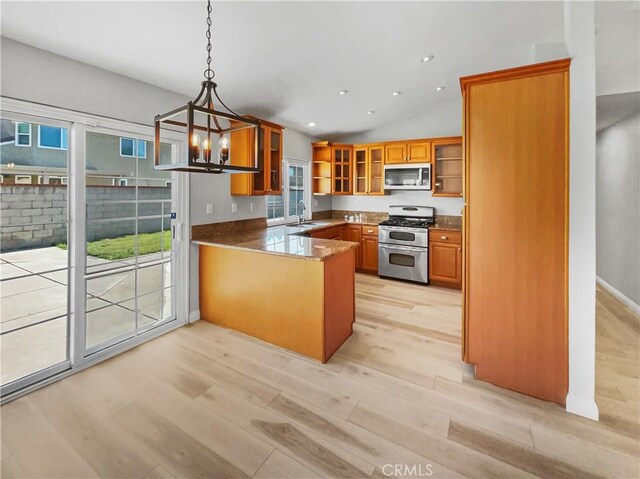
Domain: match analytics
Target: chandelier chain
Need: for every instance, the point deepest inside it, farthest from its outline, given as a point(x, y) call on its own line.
point(209, 73)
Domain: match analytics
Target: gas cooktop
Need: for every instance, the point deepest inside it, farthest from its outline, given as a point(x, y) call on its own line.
point(408, 222)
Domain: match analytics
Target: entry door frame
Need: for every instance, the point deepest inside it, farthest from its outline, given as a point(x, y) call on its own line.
point(79, 123)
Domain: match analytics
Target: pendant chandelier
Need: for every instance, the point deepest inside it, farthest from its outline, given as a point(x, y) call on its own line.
point(207, 130)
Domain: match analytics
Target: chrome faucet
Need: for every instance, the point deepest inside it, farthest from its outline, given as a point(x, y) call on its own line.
point(300, 217)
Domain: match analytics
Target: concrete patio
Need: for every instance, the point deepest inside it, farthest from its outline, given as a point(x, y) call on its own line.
point(35, 299)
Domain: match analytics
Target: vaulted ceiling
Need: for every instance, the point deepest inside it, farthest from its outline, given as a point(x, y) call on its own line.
point(287, 61)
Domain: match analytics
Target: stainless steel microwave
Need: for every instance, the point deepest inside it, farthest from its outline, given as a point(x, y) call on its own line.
point(410, 176)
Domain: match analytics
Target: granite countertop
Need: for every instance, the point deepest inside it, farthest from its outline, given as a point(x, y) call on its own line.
point(446, 227)
point(286, 240)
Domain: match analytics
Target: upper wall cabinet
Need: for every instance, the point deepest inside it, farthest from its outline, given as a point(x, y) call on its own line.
point(447, 170)
point(342, 166)
point(332, 168)
point(418, 151)
point(269, 180)
point(368, 169)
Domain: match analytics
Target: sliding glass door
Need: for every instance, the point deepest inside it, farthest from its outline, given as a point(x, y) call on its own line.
point(34, 248)
point(130, 281)
point(91, 243)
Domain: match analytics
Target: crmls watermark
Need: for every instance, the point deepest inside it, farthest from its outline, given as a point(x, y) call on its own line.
point(408, 470)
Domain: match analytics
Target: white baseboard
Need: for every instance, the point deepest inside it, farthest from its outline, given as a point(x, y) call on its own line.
point(585, 407)
point(618, 295)
point(194, 316)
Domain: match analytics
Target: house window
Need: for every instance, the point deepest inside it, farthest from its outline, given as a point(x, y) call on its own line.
point(23, 179)
point(53, 137)
point(142, 149)
point(120, 182)
point(23, 134)
point(130, 146)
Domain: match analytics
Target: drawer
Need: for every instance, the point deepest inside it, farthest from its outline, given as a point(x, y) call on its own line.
point(369, 230)
point(445, 236)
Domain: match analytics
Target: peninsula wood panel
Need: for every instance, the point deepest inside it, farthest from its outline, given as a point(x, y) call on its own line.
point(234, 295)
point(516, 140)
point(281, 300)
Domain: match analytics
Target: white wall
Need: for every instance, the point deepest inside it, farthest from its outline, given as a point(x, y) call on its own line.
point(617, 203)
point(580, 40)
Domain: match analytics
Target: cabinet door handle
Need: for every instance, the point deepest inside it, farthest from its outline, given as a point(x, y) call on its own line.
point(443, 237)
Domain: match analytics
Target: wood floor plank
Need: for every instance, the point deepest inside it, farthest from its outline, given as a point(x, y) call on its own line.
point(323, 456)
point(179, 453)
point(40, 451)
point(245, 451)
point(430, 445)
point(374, 449)
point(340, 404)
point(95, 438)
point(522, 457)
point(513, 427)
point(281, 466)
point(421, 414)
point(582, 454)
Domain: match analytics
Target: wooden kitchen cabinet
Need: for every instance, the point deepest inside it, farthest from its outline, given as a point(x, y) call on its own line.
point(516, 159)
point(417, 151)
point(354, 233)
point(370, 248)
point(269, 180)
point(447, 171)
point(368, 170)
point(332, 232)
point(342, 169)
point(332, 168)
point(445, 258)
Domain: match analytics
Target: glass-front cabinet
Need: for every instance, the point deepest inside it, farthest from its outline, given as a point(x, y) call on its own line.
point(341, 170)
point(269, 180)
point(368, 170)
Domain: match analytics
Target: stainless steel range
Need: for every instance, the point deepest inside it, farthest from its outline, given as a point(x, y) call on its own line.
point(403, 243)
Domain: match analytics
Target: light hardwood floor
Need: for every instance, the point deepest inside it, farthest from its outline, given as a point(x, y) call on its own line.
point(207, 402)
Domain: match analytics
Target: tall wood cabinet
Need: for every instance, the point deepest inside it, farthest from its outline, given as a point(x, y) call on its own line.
point(332, 168)
point(516, 139)
point(269, 180)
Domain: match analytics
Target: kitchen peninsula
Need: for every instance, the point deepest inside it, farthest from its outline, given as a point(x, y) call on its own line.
point(279, 285)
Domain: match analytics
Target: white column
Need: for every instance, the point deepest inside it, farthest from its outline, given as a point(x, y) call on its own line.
point(579, 25)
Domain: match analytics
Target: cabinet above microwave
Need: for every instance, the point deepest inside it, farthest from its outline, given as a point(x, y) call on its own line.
point(410, 176)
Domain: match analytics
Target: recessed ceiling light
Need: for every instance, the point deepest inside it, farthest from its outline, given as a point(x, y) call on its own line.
point(312, 124)
point(426, 59)
point(440, 88)
point(343, 92)
point(397, 93)
point(370, 112)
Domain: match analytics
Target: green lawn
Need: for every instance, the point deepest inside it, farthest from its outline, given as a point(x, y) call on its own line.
point(124, 246)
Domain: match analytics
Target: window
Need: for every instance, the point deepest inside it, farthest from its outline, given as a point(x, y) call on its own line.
point(284, 208)
point(142, 149)
point(23, 179)
point(120, 182)
point(23, 134)
point(52, 137)
point(128, 147)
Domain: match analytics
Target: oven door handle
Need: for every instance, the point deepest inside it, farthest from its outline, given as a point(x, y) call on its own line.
point(404, 248)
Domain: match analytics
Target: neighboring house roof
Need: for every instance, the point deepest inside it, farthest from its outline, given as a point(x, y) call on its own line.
point(7, 130)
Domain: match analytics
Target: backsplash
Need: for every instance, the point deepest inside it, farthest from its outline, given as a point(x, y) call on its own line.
point(226, 228)
point(378, 216)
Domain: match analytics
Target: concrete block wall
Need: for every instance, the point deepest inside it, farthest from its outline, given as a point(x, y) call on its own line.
point(35, 216)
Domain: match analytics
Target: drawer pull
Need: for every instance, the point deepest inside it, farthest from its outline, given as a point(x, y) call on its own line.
point(369, 231)
point(444, 237)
